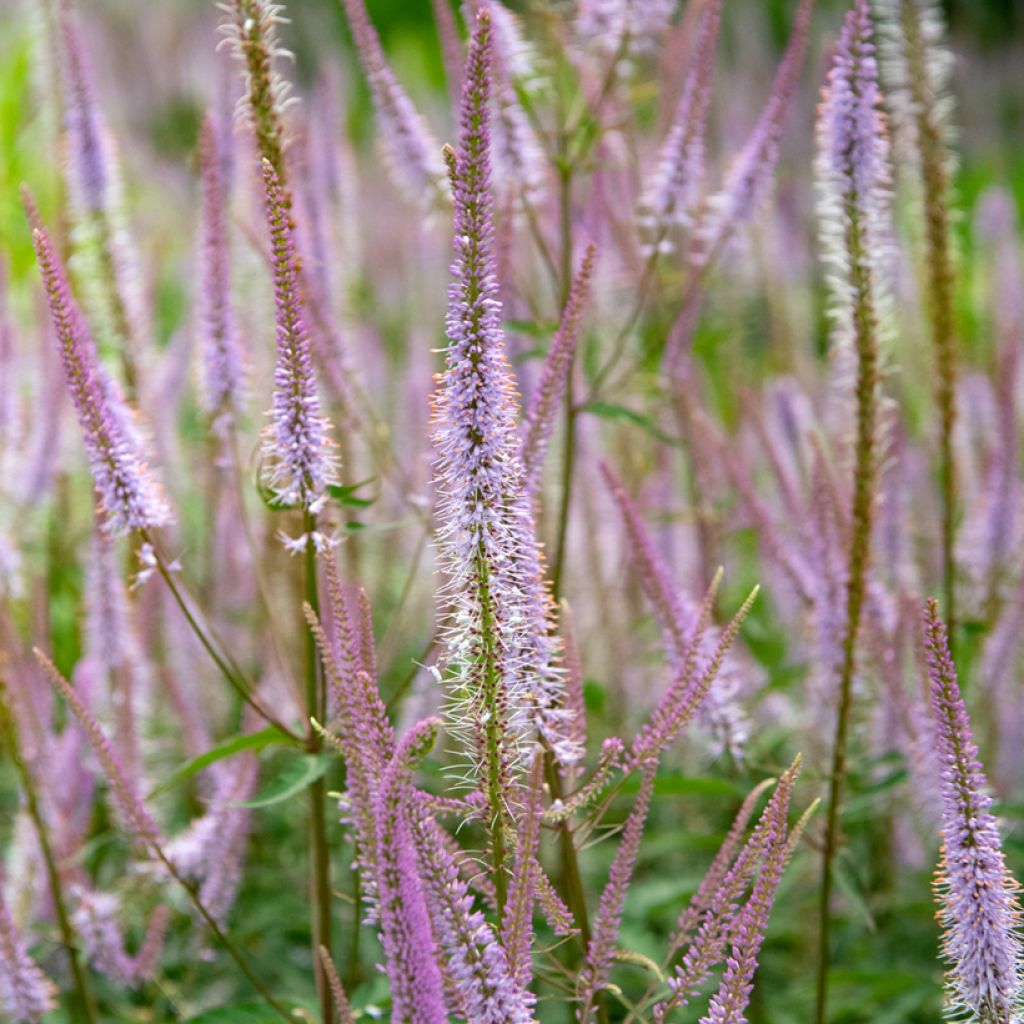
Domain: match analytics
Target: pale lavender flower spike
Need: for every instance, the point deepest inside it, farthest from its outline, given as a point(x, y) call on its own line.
point(750, 174)
point(221, 356)
point(673, 189)
point(499, 640)
point(295, 443)
point(25, 992)
point(87, 141)
point(978, 895)
point(853, 158)
point(127, 490)
point(539, 422)
point(413, 156)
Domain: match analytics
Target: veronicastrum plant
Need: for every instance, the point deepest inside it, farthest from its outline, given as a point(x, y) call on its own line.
point(396, 702)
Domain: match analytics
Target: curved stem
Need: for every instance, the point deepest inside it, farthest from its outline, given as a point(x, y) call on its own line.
point(86, 1003)
point(320, 873)
point(224, 662)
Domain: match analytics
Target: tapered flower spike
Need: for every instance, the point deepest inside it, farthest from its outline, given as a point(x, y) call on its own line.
point(728, 1005)
point(498, 641)
point(25, 992)
point(412, 956)
point(295, 443)
point(341, 1003)
point(978, 896)
point(487, 990)
point(688, 638)
point(722, 910)
point(673, 189)
point(694, 912)
point(539, 422)
point(750, 174)
point(88, 144)
point(127, 490)
point(134, 815)
point(219, 347)
point(608, 920)
point(410, 149)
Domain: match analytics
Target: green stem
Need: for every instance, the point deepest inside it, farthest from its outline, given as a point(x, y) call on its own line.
point(230, 948)
point(569, 440)
point(865, 330)
point(316, 700)
point(86, 1009)
point(940, 278)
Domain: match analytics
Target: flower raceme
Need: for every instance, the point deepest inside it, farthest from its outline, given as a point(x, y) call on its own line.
point(295, 443)
point(976, 892)
point(126, 488)
point(507, 683)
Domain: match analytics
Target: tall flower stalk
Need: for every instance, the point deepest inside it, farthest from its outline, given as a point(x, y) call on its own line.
point(920, 107)
point(853, 178)
point(302, 467)
point(506, 685)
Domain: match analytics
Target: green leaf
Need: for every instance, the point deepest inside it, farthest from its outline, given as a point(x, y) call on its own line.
point(237, 1013)
point(347, 495)
point(613, 411)
point(226, 748)
point(290, 781)
point(530, 328)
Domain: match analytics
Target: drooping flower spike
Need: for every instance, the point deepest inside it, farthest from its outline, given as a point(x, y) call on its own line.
point(25, 992)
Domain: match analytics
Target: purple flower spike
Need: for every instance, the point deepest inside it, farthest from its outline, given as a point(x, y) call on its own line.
point(976, 892)
point(96, 922)
point(295, 443)
point(87, 142)
point(412, 958)
point(126, 488)
point(135, 817)
point(539, 422)
point(409, 147)
point(487, 991)
point(729, 1003)
point(25, 992)
point(750, 174)
point(221, 357)
point(594, 974)
point(499, 640)
point(673, 190)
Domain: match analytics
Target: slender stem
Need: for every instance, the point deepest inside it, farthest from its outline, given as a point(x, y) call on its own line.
point(575, 894)
point(865, 330)
point(569, 440)
point(86, 1003)
point(229, 947)
point(941, 280)
point(230, 672)
point(320, 881)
